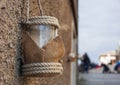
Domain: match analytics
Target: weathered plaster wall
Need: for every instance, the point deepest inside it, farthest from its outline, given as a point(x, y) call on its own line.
point(11, 12)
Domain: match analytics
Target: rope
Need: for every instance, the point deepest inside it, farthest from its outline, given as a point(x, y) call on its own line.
point(39, 6)
point(42, 68)
point(39, 68)
point(41, 65)
point(42, 71)
point(46, 20)
point(28, 6)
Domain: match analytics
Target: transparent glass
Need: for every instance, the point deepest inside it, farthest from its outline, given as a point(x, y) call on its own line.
point(42, 34)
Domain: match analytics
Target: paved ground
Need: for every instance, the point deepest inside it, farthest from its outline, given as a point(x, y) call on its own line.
point(99, 79)
point(99, 70)
point(95, 77)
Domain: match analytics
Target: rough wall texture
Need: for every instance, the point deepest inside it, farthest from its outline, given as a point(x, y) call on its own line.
point(11, 12)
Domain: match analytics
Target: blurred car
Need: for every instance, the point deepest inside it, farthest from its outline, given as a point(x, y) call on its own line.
point(94, 65)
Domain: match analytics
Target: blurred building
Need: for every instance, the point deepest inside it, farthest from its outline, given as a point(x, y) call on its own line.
point(108, 57)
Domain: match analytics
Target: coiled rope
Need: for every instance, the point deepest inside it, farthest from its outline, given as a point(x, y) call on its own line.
point(41, 64)
point(39, 68)
point(41, 72)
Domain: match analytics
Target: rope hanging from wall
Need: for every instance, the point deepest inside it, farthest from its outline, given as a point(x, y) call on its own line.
point(41, 61)
point(39, 6)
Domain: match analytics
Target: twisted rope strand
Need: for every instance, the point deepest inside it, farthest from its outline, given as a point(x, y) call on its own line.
point(42, 71)
point(40, 7)
point(39, 68)
point(42, 68)
point(42, 65)
point(28, 6)
point(47, 20)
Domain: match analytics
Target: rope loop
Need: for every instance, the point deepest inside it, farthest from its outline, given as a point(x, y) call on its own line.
point(42, 68)
point(46, 20)
point(39, 6)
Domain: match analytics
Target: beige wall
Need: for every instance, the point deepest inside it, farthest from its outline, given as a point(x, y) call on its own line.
point(11, 12)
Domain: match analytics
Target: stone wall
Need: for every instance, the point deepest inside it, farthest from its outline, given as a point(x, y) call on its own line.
point(11, 11)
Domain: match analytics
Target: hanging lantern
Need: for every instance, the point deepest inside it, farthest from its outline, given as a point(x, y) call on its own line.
point(42, 47)
point(42, 29)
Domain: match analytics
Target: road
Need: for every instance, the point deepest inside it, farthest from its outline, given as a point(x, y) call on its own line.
point(99, 79)
point(95, 77)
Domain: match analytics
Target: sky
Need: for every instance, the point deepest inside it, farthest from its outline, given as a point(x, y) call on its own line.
point(99, 27)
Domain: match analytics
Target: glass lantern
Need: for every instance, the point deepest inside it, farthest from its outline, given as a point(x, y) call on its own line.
point(42, 34)
point(42, 47)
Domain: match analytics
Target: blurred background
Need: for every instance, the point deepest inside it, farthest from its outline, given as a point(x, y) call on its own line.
point(99, 41)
